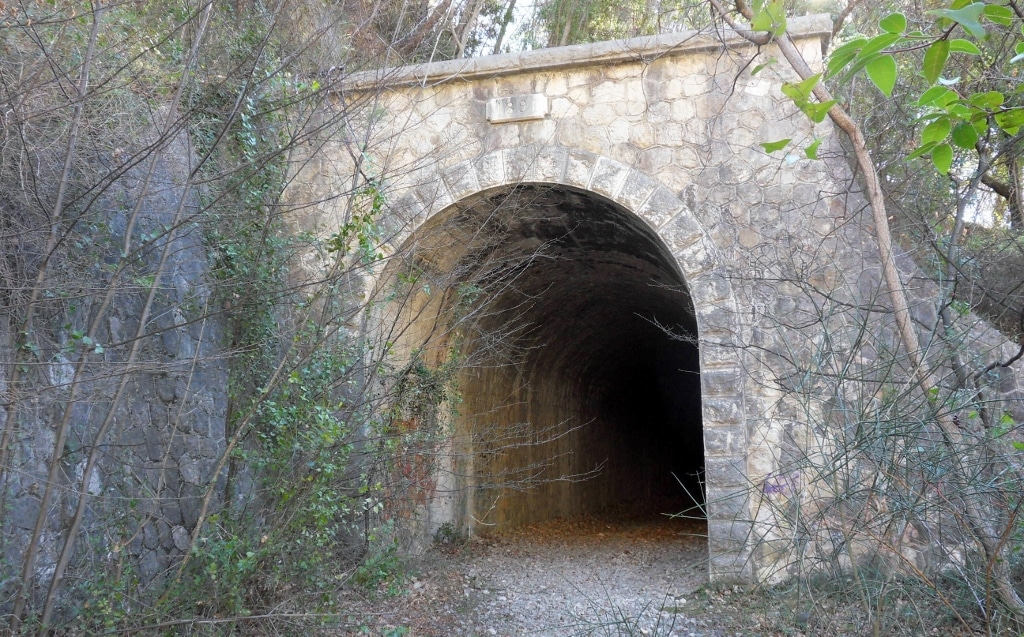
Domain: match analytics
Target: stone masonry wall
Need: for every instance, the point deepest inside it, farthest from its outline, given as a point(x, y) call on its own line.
point(669, 127)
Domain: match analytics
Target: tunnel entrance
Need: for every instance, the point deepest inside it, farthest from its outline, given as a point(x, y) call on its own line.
point(579, 381)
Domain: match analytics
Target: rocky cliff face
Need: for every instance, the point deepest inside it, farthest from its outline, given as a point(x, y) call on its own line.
point(119, 395)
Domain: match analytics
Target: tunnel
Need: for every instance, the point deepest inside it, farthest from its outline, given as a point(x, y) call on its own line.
point(578, 382)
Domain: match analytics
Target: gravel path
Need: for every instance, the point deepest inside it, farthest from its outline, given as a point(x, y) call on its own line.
point(597, 575)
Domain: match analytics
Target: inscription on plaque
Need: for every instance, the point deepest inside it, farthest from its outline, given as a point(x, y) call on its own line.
point(516, 108)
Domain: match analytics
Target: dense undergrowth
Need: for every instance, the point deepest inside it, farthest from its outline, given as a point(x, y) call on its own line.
point(145, 153)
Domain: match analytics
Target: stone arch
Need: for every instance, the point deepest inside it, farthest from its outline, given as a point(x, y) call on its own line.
point(718, 326)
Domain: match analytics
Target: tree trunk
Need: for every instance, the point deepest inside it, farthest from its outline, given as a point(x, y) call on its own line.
point(505, 20)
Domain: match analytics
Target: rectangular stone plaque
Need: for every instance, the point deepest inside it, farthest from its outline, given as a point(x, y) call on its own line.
point(516, 108)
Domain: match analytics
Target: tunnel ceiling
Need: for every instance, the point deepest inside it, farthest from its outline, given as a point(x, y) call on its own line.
point(555, 262)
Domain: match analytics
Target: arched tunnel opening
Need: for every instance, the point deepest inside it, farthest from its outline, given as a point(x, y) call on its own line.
point(579, 379)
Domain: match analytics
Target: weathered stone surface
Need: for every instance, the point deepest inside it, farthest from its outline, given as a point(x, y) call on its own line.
point(720, 410)
point(461, 180)
point(608, 177)
point(728, 503)
point(728, 536)
point(726, 472)
point(580, 168)
point(721, 381)
point(181, 538)
point(723, 440)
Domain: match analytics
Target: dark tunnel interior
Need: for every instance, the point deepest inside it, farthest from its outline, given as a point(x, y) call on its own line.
point(581, 389)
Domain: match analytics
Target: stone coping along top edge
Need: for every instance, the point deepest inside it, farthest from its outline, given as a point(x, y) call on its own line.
point(577, 55)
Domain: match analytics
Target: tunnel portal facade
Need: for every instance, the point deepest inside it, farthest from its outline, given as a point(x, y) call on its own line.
point(621, 268)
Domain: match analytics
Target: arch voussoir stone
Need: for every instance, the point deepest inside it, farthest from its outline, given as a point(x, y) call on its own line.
point(490, 170)
point(462, 180)
point(434, 195)
point(635, 191)
point(607, 178)
point(536, 163)
point(699, 255)
point(710, 288)
point(579, 168)
point(405, 213)
point(678, 228)
point(662, 208)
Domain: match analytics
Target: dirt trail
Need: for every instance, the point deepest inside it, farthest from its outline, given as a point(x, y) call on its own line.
point(616, 574)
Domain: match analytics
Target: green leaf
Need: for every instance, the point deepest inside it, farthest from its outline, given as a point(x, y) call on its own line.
point(938, 95)
point(761, 21)
point(988, 100)
point(1010, 120)
point(817, 112)
point(960, 45)
point(960, 111)
point(882, 71)
point(812, 151)
point(999, 14)
point(771, 147)
point(801, 92)
point(769, 16)
point(877, 43)
point(969, 17)
point(928, 117)
point(1019, 446)
point(760, 67)
point(842, 56)
point(935, 60)
point(858, 65)
point(921, 150)
point(935, 132)
point(777, 10)
point(942, 157)
point(893, 23)
point(965, 136)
